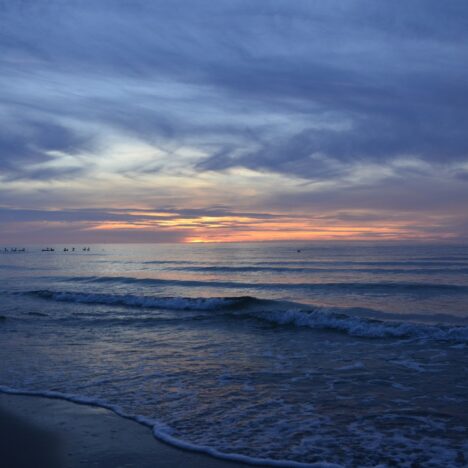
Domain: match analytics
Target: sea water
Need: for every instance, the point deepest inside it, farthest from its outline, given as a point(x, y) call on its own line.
point(348, 354)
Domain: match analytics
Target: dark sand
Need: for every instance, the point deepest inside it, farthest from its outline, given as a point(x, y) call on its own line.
point(38, 432)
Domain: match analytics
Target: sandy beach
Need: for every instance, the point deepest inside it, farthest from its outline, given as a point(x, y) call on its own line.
point(38, 432)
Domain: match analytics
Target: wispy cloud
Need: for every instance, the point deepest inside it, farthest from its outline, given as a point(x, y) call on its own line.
point(256, 106)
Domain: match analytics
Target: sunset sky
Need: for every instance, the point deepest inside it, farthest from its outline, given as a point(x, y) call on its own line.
point(195, 121)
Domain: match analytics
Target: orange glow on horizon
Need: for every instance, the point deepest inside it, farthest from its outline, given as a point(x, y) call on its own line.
point(244, 228)
point(152, 214)
point(110, 226)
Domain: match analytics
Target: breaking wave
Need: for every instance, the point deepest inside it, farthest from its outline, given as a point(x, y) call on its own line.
point(163, 432)
point(323, 319)
point(275, 312)
point(172, 303)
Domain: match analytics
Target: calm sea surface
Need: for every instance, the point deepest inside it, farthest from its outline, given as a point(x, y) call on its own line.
point(346, 354)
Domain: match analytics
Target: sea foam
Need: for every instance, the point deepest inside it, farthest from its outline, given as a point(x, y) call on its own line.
point(164, 433)
point(173, 303)
point(277, 312)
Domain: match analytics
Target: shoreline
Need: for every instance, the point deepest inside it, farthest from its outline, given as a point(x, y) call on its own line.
point(205, 456)
point(53, 432)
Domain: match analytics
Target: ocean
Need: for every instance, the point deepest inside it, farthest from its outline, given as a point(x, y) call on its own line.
point(289, 354)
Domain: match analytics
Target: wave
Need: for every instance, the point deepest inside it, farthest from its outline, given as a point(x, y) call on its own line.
point(162, 432)
point(361, 327)
point(279, 313)
point(293, 269)
point(22, 267)
point(456, 258)
point(377, 286)
point(329, 263)
point(172, 303)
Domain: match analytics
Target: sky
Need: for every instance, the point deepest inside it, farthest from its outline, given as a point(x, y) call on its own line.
point(233, 120)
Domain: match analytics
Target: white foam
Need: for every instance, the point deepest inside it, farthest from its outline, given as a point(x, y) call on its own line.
point(355, 365)
point(458, 346)
point(277, 312)
point(174, 303)
point(413, 365)
point(162, 432)
point(402, 387)
point(324, 319)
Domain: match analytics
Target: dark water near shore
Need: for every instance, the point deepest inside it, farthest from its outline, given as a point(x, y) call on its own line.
point(347, 354)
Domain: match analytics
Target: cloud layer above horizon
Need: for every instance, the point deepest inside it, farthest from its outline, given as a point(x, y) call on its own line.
point(156, 121)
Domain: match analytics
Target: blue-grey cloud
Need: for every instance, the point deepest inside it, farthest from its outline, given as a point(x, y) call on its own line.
point(8, 215)
point(306, 89)
point(394, 72)
point(25, 143)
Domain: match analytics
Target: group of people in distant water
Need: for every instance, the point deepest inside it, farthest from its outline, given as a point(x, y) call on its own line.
point(66, 249)
point(14, 250)
point(47, 249)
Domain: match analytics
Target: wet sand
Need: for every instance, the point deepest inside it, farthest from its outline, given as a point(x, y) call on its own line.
point(38, 432)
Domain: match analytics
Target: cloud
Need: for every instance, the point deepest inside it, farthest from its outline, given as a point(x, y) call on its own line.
point(70, 233)
point(137, 63)
point(123, 224)
point(25, 144)
point(124, 214)
point(172, 95)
